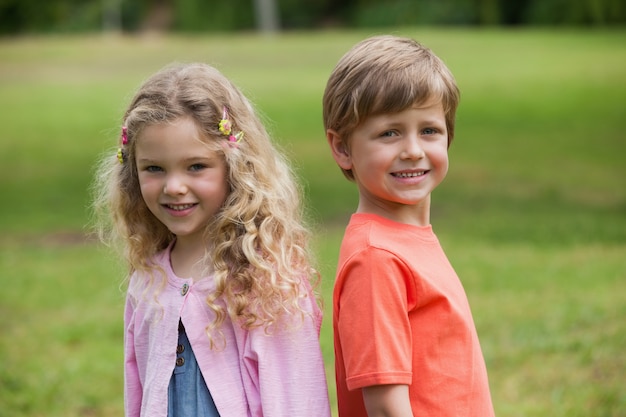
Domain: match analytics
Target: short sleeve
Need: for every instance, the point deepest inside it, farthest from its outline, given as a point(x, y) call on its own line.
point(372, 323)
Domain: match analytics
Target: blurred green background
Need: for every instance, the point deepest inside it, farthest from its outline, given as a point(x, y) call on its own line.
point(532, 214)
point(79, 16)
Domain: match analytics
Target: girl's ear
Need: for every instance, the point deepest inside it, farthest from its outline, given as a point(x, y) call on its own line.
point(339, 150)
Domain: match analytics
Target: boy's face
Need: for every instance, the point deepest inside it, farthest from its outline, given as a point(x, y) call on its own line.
point(397, 160)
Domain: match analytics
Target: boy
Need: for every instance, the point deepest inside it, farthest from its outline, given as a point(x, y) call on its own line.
point(405, 340)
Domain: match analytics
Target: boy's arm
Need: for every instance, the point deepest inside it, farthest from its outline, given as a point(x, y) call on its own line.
point(387, 401)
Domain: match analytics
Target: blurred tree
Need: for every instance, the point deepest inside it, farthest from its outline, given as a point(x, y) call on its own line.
point(38, 16)
point(158, 16)
point(368, 13)
point(581, 12)
point(212, 15)
point(299, 14)
point(513, 12)
point(266, 16)
point(112, 15)
point(489, 12)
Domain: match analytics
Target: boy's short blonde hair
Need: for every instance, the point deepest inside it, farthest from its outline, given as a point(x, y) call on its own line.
point(386, 74)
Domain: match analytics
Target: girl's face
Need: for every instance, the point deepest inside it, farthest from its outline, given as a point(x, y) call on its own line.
point(397, 160)
point(183, 182)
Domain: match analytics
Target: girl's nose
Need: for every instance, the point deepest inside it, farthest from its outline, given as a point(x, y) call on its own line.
point(174, 186)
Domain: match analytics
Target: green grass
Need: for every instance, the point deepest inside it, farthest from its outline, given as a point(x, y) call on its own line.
point(532, 214)
point(61, 333)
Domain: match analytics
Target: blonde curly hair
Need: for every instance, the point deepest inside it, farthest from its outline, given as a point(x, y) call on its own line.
point(259, 243)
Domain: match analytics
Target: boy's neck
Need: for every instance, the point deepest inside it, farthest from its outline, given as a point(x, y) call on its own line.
point(414, 214)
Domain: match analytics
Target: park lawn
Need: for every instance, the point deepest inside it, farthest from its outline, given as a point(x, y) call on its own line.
point(532, 214)
point(551, 322)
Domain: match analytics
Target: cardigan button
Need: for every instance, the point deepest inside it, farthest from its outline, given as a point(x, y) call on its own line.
point(184, 290)
point(180, 361)
point(180, 349)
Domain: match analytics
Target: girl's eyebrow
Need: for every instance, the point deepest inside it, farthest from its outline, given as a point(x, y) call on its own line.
point(188, 160)
point(146, 161)
point(197, 159)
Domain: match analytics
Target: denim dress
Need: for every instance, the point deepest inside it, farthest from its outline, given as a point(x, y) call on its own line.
point(188, 394)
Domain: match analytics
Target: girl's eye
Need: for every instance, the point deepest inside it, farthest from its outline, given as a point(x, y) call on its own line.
point(153, 168)
point(197, 167)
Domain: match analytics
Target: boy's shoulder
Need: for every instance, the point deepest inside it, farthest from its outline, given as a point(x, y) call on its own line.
point(385, 231)
point(369, 232)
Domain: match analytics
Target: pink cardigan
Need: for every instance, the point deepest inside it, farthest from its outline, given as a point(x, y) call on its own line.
point(255, 374)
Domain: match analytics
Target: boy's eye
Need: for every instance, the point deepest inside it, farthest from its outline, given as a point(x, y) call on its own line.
point(388, 133)
point(429, 131)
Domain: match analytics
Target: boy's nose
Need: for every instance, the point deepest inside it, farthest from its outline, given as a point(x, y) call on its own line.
point(412, 148)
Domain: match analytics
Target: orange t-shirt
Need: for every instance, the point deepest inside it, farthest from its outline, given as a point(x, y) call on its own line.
point(401, 316)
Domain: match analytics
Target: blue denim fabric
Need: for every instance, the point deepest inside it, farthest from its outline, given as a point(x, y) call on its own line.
point(188, 395)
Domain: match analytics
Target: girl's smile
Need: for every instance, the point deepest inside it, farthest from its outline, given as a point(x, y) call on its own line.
point(179, 210)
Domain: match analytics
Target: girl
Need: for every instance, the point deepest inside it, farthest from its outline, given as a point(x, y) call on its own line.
point(220, 317)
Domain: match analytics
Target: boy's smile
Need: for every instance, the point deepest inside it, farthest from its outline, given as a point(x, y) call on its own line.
point(398, 160)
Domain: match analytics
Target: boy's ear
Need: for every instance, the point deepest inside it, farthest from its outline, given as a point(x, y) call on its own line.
point(338, 149)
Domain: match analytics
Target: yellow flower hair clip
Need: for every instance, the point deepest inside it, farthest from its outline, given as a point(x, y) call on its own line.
point(120, 151)
point(226, 127)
